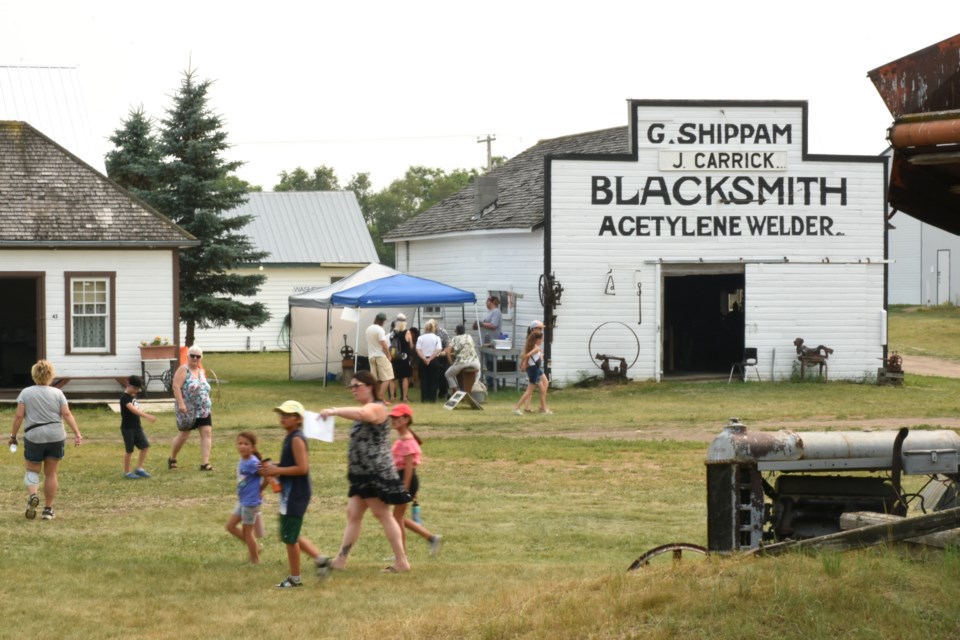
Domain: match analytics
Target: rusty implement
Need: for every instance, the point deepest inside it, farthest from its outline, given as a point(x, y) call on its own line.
point(922, 92)
point(618, 374)
point(923, 81)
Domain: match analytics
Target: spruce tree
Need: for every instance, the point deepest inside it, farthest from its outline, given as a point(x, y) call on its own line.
point(194, 189)
point(135, 162)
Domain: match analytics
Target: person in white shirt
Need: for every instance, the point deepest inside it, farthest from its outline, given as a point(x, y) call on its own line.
point(429, 349)
point(378, 352)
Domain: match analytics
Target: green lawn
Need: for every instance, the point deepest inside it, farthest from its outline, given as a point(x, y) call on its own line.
point(541, 516)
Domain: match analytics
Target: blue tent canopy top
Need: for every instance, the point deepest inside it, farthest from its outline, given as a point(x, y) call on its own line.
point(401, 290)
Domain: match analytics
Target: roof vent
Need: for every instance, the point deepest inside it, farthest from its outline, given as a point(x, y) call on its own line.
point(485, 195)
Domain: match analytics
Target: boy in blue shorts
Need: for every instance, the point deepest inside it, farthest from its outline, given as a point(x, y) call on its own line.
point(132, 429)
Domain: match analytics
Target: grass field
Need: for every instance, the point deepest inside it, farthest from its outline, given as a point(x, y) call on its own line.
point(541, 515)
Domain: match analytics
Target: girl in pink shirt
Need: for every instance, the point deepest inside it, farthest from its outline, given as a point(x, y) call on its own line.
point(407, 456)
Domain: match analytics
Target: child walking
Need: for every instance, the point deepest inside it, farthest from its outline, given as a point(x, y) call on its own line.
point(242, 522)
point(407, 456)
point(532, 359)
point(132, 430)
point(294, 475)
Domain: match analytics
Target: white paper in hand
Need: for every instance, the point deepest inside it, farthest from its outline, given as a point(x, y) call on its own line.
point(316, 427)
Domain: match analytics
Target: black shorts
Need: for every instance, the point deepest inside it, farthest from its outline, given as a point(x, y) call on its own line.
point(134, 438)
point(40, 451)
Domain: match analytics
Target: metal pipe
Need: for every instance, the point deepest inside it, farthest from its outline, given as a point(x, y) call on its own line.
point(924, 134)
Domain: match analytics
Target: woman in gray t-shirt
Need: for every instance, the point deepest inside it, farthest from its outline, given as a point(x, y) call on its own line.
point(42, 410)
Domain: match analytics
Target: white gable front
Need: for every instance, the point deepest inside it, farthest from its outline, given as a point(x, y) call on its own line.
point(724, 191)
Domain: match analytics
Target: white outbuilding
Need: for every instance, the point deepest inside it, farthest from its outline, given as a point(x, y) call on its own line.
point(705, 228)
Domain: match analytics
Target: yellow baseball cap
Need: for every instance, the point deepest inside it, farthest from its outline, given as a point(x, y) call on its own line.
point(290, 406)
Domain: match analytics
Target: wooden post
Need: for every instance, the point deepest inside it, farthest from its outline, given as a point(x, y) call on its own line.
point(870, 535)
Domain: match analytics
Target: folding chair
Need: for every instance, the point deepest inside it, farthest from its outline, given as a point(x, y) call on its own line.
point(749, 360)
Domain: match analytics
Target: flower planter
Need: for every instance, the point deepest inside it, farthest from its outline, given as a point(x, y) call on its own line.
point(161, 352)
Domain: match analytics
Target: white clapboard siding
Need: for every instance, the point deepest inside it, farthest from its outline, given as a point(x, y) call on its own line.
point(481, 262)
point(281, 283)
point(144, 302)
point(905, 247)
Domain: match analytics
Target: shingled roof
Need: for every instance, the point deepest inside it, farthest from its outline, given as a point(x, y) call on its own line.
point(51, 198)
point(519, 189)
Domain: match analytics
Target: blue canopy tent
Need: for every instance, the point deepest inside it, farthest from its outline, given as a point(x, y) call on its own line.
point(390, 291)
point(401, 290)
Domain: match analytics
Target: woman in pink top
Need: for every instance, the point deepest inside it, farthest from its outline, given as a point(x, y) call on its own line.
point(407, 456)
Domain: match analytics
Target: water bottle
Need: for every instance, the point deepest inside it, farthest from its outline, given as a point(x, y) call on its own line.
point(416, 513)
point(274, 484)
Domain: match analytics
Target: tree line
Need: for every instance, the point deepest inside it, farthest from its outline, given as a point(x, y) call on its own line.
point(176, 166)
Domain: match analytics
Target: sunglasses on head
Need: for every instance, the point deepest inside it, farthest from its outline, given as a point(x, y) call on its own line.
point(357, 384)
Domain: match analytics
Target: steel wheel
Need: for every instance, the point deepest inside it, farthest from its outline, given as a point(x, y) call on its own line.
point(674, 550)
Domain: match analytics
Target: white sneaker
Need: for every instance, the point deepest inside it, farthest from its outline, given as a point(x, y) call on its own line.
point(517, 412)
point(435, 544)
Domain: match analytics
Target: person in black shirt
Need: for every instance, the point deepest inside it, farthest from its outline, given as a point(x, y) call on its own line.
point(132, 429)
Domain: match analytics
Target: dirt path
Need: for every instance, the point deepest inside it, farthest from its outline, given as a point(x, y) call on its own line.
point(926, 366)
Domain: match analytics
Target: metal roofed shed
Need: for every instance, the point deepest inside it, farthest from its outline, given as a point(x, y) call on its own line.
point(313, 238)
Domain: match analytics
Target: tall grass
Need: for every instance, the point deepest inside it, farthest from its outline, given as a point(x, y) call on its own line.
point(541, 517)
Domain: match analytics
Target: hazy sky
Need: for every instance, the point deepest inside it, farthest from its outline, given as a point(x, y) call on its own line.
point(379, 86)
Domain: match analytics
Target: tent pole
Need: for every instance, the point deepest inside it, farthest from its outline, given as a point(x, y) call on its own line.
point(326, 354)
point(356, 348)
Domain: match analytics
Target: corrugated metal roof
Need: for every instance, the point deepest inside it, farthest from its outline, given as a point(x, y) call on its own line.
point(519, 189)
point(51, 100)
point(308, 227)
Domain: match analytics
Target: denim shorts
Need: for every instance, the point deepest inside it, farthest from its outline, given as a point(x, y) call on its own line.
point(248, 515)
point(534, 373)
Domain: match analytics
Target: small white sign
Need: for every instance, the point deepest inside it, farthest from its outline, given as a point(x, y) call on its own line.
point(316, 427)
point(723, 160)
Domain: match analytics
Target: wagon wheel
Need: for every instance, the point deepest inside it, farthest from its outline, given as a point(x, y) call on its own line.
point(675, 549)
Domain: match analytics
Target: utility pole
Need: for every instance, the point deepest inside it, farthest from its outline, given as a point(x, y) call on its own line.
point(489, 139)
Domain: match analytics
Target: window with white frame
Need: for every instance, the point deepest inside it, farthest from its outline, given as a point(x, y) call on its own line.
point(90, 311)
point(433, 311)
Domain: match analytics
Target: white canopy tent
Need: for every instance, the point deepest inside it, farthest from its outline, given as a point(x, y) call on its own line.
point(319, 318)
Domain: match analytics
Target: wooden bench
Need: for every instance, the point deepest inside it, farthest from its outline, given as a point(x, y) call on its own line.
point(61, 381)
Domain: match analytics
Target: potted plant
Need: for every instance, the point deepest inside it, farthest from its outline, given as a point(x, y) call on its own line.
point(157, 349)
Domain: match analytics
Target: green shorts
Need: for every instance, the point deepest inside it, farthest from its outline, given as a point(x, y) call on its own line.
point(290, 528)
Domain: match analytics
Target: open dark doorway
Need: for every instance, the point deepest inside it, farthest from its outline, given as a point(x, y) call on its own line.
point(703, 323)
point(20, 327)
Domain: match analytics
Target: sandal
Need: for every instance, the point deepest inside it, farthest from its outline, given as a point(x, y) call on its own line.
point(206, 466)
point(390, 569)
point(171, 463)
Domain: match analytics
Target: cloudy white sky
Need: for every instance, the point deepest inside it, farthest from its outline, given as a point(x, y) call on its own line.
point(378, 86)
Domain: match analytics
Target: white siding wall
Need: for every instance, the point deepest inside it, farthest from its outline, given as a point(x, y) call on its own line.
point(144, 302)
point(480, 263)
point(281, 283)
point(819, 287)
point(839, 306)
point(905, 280)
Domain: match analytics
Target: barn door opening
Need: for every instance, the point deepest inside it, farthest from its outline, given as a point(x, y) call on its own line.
point(703, 323)
point(20, 327)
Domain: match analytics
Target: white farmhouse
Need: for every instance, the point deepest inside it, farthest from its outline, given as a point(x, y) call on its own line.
point(87, 271)
point(703, 228)
point(314, 238)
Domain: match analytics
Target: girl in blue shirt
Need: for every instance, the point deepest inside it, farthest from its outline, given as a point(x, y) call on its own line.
point(249, 495)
